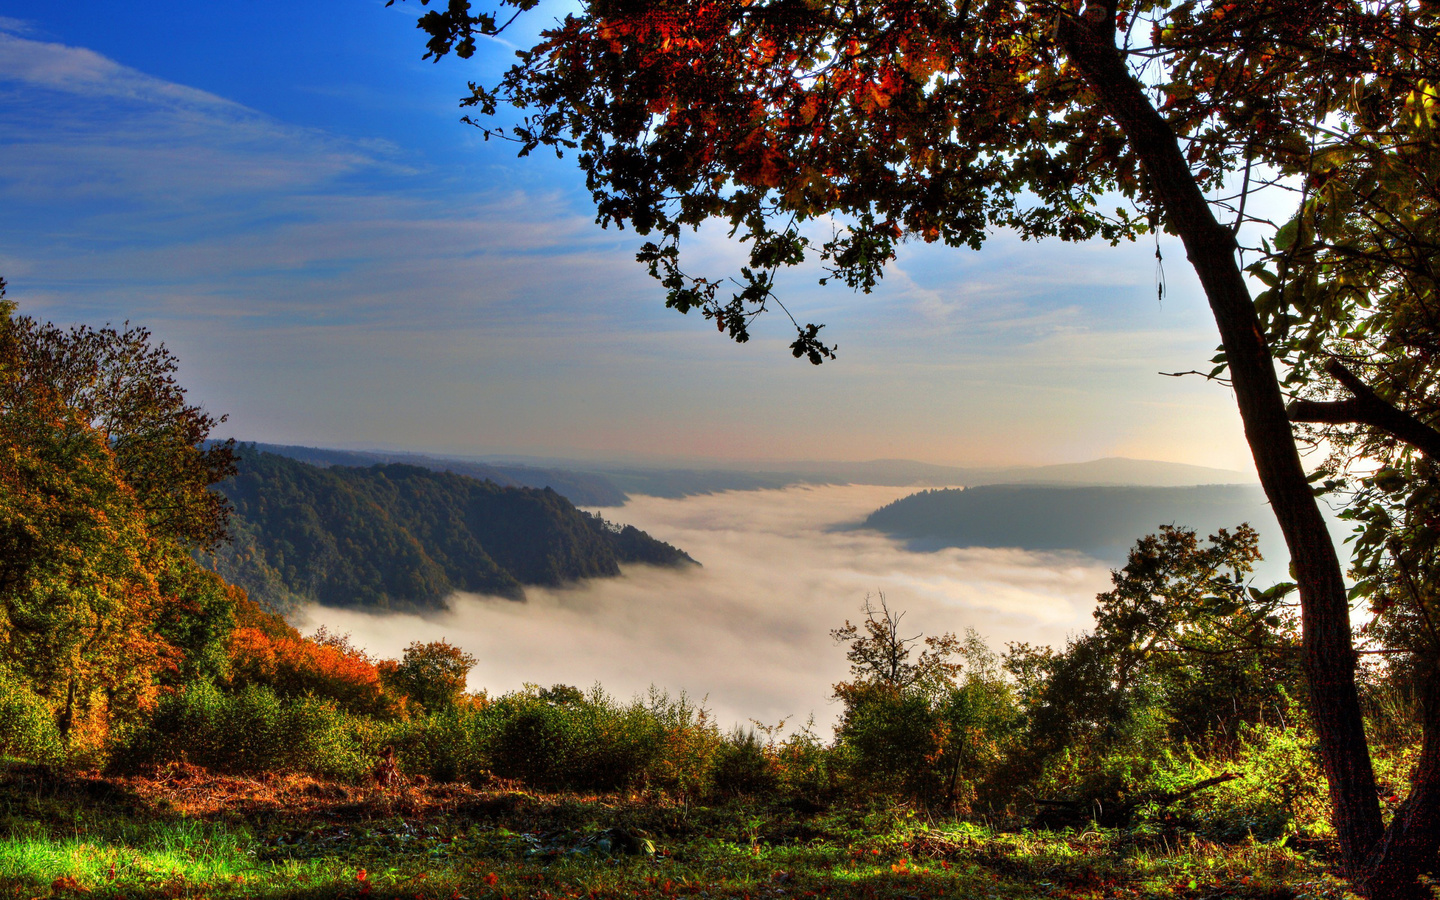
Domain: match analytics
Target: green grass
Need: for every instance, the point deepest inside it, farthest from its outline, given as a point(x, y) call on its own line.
point(210, 837)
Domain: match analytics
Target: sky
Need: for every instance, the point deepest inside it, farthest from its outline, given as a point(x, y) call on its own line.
point(283, 193)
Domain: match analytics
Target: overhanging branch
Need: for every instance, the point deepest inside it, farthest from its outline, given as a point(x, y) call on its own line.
point(1365, 407)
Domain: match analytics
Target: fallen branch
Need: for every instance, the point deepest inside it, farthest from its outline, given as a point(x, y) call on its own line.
point(1062, 812)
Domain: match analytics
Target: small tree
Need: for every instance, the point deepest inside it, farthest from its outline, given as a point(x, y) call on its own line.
point(881, 657)
point(431, 675)
point(913, 723)
point(1180, 633)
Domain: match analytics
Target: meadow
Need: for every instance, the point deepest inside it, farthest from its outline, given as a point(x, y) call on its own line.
point(183, 832)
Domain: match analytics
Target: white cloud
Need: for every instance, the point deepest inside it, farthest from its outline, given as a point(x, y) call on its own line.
point(15, 26)
point(751, 628)
point(80, 125)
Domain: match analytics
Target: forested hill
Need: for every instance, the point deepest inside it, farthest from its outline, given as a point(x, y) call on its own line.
point(1101, 521)
point(403, 537)
point(585, 488)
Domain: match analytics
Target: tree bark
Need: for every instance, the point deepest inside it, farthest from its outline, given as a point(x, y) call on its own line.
point(1329, 655)
point(1412, 841)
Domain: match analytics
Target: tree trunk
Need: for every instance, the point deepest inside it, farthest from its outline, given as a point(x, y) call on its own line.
point(1410, 844)
point(1329, 656)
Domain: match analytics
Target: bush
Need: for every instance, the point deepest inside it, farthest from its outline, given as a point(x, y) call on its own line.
point(742, 767)
point(1281, 789)
point(891, 741)
point(326, 667)
point(448, 746)
point(250, 731)
point(596, 744)
point(27, 725)
point(1112, 771)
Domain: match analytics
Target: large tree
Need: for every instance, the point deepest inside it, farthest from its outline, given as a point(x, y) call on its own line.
point(104, 475)
point(945, 119)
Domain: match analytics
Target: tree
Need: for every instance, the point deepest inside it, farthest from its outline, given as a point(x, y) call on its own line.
point(928, 725)
point(1180, 631)
point(942, 120)
point(880, 656)
point(431, 675)
point(100, 599)
point(123, 387)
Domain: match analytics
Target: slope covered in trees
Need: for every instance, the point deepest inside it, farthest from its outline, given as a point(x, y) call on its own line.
point(580, 487)
point(1100, 521)
point(404, 537)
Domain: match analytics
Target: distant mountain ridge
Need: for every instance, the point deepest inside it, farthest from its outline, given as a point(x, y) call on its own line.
point(611, 484)
point(580, 488)
point(395, 536)
point(1101, 521)
point(677, 482)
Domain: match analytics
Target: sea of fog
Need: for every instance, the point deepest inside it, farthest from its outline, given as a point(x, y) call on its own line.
point(749, 631)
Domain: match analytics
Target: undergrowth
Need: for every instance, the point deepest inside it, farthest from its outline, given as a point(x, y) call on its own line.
point(184, 832)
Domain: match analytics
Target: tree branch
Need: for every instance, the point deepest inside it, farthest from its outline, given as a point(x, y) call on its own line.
point(1365, 407)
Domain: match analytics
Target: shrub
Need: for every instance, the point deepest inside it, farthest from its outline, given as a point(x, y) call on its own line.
point(451, 745)
point(595, 744)
point(250, 731)
point(1281, 789)
point(742, 767)
point(27, 725)
point(892, 740)
point(326, 667)
point(689, 742)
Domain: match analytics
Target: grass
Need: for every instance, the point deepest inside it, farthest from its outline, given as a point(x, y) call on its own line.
point(186, 833)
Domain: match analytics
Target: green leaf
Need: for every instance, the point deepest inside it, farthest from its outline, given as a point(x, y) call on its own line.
point(1285, 237)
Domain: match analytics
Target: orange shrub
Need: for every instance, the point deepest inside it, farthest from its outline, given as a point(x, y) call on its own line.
point(294, 667)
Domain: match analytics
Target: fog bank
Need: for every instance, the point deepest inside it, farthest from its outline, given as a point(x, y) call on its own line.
point(749, 630)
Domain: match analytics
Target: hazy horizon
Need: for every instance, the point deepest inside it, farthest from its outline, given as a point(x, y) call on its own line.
point(753, 462)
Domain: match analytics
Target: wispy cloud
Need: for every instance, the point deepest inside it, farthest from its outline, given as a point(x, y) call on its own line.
point(80, 125)
point(13, 25)
point(485, 311)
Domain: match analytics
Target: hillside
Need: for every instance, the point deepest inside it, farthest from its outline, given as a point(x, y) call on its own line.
point(582, 488)
point(404, 537)
point(1100, 521)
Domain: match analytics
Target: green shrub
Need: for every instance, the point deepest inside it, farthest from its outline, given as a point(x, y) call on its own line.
point(742, 767)
point(448, 746)
point(27, 725)
point(1112, 771)
point(1280, 789)
point(891, 740)
point(594, 744)
point(249, 731)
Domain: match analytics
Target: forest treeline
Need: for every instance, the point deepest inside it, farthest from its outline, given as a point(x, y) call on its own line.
point(396, 536)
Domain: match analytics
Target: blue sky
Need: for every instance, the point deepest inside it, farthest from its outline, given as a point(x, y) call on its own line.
point(284, 194)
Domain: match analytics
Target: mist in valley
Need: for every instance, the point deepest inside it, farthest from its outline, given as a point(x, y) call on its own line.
point(749, 630)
